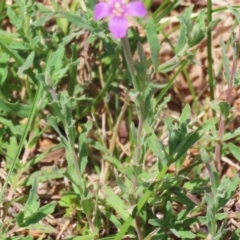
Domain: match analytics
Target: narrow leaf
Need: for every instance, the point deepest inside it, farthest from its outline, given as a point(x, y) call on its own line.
point(153, 42)
point(27, 64)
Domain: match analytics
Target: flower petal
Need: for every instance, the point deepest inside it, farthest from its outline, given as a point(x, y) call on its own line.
point(112, 2)
point(136, 9)
point(102, 10)
point(118, 27)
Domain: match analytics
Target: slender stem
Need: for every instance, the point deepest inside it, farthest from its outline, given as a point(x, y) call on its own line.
point(137, 155)
point(209, 50)
point(222, 119)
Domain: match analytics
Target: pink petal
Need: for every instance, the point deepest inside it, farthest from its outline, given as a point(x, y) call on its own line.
point(102, 10)
point(118, 27)
point(112, 2)
point(136, 9)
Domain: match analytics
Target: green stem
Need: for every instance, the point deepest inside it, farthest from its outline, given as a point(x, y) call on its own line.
point(140, 104)
point(209, 50)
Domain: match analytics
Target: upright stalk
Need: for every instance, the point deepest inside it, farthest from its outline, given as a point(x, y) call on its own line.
point(137, 155)
point(209, 50)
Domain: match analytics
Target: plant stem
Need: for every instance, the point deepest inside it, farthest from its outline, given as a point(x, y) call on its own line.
point(209, 51)
point(136, 160)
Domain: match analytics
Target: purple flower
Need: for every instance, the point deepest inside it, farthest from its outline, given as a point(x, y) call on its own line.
point(117, 11)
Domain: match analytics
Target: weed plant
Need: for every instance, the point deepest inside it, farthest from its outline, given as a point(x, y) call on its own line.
point(66, 81)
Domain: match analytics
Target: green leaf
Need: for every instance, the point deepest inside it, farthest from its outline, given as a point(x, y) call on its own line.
point(98, 146)
point(54, 61)
point(164, 9)
point(198, 33)
point(4, 71)
point(87, 205)
point(17, 130)
point(204, 155)
point(116, 203)
point(20, 61)
point(226, 190)
point(193, 137)
point(235, 12)
point(31, 207)
point(154, 145)
point(183, 234)
point(168, 66)
point(153, 41)
point(117, 164)
point(224, 108)
point(230, 135)
point(185, 29)
point(27, 64)
point(185, 114)
point(237, 79)
point(77, 20)
point(42, 176)
point(221, 216)
point(40, 214)
point(18, 109)
point(41, 21)
point(32, 204)
point(15, 19)
point(86, 237)
point(111, 217)
point(235, 150)
point(220, 106)
point(8, 37)
point(11, 150)
point(226, 65)
point(152, 234)
point(41, 228)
